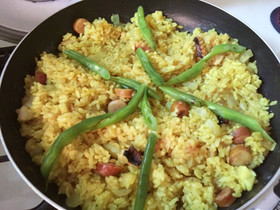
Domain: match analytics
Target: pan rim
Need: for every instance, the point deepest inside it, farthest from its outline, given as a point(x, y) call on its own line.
point(249, 202)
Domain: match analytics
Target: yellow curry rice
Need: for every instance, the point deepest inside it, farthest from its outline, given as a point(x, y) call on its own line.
point(190, 163)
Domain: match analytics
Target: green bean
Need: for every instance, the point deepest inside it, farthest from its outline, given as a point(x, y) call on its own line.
point(125, 111)
point(115, 18)
point(219, 110)
point(223, 48)
point(196, 69)
point(129, 83)
point(149, 68)
point(181, 96)
point(145, 30)
point(147, 112)
point(65, 138)
point(102, 71)
point(191, 73)
point(143, 183)
point(239, 118)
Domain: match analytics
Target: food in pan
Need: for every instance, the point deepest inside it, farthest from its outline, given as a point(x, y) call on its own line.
point(146, 115)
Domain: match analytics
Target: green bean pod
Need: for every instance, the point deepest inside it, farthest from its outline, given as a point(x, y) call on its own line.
point(196, 69)
point(147, 112)
point(223, 48)
point(239, 118)
point(191, 73)
point(102, 71)
point(125, 111)
point(143, 183)
point(65, 138)
point(145, 30)
point(129, 83)
point(181, 96)
point(149, 68)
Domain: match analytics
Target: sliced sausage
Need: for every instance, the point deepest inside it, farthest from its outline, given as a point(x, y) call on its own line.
point(240, 155)
point(143, 45)
point(133, 156)
point(124, 93)
point(41, 77)
point(116, 105)
point(240, 134)
point(181, 108)
point(108, 169)
point(225, 198)
point(79, 25)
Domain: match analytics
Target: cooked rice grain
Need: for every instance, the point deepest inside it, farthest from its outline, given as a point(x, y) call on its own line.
point(190, 162)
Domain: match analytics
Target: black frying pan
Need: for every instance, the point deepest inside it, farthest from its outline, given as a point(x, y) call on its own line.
point(189, 13)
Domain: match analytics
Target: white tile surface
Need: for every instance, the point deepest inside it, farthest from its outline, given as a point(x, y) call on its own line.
point(256, 14)
point(15, 193)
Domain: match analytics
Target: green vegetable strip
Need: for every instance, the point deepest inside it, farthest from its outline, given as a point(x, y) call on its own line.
point(65, 138)
point(196, 69)
point(102, 71)
point(134, 85)
point(223, 48)
point(147, 112)
point(143, 184)
point(220, 110)
point(239, 118)
point(180, 96)
point(125, 111)
point(149, 68)
point(145, 30)
point(115, 18)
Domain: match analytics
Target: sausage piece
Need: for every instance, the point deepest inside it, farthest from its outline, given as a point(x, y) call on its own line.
point(124, 93)
point(181, 108)
point(116, 105)
point(143, 45)
point(108, 169)
point(79, 25)
point(240, 134)
point(225, 198)
point(41, 77)
point(240, 155)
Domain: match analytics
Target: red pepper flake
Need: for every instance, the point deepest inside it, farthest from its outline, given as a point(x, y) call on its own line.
point(133, 156)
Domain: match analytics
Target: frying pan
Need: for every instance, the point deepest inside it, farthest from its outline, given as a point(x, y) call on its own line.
point(190, 14)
